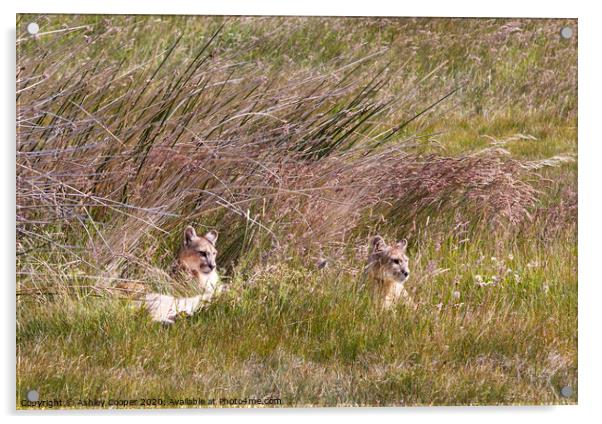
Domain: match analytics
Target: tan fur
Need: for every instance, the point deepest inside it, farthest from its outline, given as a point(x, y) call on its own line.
point(128, 289)
point(165, 309)
point(196, 259)
point(387, 271)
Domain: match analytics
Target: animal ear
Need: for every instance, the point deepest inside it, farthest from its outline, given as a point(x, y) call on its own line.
point(402, 244)
point(189, 235)
point(378, 244)
point(212, 236)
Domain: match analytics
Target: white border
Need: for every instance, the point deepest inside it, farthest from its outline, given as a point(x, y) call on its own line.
point(590, 177)
point(506, 8)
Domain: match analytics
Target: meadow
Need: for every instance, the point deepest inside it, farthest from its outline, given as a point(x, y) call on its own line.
point(298, 139)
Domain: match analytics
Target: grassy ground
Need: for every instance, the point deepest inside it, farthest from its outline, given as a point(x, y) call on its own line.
point(298, 139)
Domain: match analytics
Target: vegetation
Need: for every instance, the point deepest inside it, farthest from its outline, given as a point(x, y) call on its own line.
point(298, 139)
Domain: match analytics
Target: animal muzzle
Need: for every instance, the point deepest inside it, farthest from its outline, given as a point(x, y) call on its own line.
point(207, 267)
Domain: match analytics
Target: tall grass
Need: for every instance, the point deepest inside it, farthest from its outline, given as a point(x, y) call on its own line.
point(297, 139)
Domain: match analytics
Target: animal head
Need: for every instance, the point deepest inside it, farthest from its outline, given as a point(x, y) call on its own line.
point(198, 253)
point(391, 260)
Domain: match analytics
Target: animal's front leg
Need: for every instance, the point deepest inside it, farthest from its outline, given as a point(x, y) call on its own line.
point(402, 294)
point(407, 299)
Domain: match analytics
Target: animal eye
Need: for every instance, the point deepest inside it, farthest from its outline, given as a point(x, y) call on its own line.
point(203, 254)
point(396, 261)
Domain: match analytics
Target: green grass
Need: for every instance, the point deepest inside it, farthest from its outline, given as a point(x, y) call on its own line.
point(312, 337)
point(265, 124)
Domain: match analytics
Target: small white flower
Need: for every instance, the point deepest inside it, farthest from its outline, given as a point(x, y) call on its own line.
point(456, 295)
point(510, 256)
